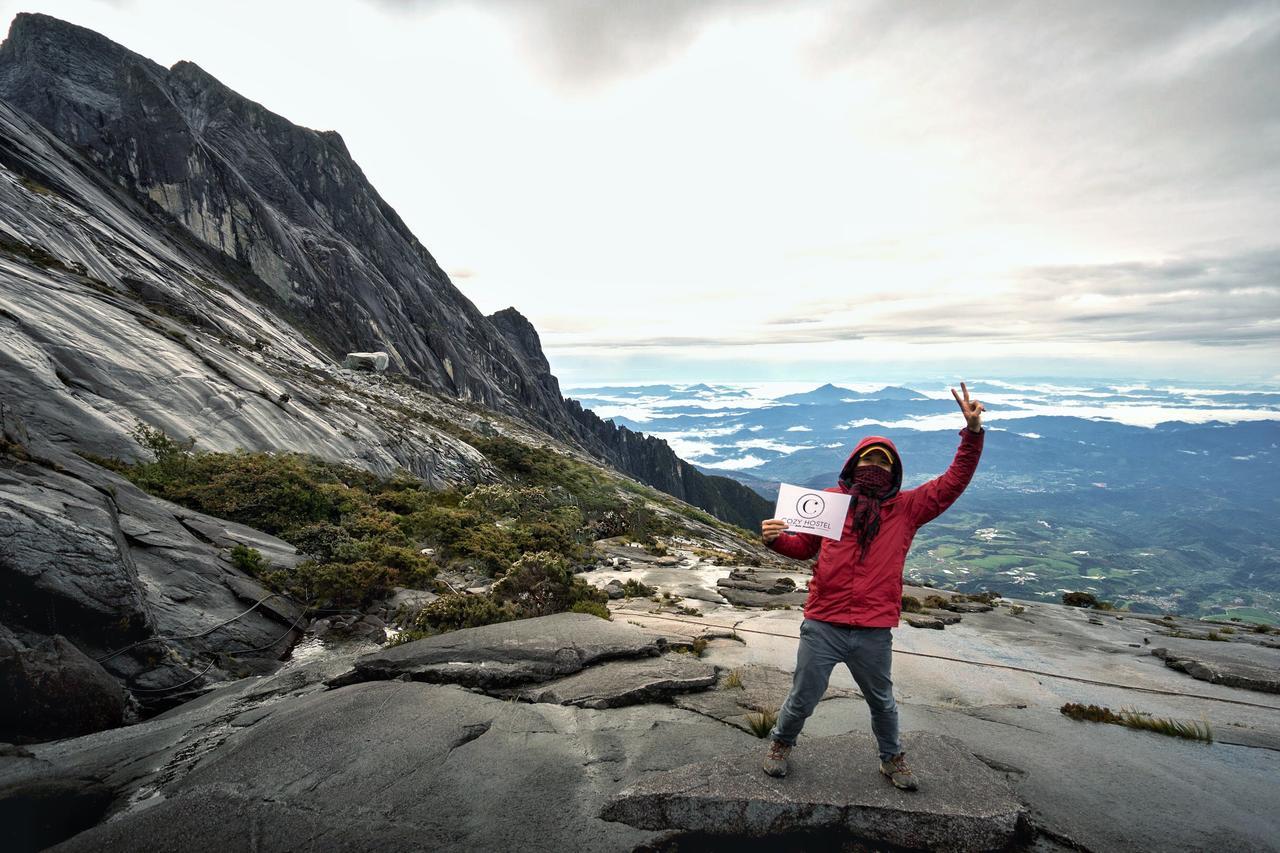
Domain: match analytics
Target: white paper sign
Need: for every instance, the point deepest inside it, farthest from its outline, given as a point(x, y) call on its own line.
point(812, 510)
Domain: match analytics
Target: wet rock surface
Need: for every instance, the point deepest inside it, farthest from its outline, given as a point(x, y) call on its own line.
point(834, 783)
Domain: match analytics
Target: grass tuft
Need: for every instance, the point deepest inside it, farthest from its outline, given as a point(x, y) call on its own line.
point(1142, 720)
point(733, 679)
point(762, 722)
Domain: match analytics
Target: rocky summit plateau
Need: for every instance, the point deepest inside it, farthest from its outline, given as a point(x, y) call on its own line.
point(300, 551)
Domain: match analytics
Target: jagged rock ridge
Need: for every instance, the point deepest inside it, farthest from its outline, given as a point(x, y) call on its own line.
point(294, 224)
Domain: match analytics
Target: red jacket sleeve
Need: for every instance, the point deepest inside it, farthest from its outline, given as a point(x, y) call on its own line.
point(801, 546)
point(932, 499)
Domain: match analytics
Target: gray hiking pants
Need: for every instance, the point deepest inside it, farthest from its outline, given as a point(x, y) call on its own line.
point(868, 652)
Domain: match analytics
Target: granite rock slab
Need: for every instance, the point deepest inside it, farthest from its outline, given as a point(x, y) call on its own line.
point(834, 783)
point(510, 653)
point(624, 682)
point(1220, 669)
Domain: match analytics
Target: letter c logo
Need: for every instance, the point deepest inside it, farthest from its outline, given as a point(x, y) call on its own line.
point(810, 505)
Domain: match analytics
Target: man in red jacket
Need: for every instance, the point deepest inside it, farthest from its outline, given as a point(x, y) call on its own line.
point(855, 595)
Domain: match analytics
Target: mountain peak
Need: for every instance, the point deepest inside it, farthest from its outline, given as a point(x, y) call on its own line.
point(896, 392)
point(521, 335)
point(827, 393)
point(64, 47)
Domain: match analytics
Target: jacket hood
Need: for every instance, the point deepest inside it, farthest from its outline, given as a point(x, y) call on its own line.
point(846, 473)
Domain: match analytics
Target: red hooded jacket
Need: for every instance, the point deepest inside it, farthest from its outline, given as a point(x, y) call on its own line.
point(850, 588)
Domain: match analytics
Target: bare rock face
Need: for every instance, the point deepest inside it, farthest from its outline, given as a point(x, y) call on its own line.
point(834, 784)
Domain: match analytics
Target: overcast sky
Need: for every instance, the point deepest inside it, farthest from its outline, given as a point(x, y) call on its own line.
point(773, 189)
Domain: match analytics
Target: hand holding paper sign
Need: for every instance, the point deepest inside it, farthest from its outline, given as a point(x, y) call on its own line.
point(770, 528)
point(807, 511)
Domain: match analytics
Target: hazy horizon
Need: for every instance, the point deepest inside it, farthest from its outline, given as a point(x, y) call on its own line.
point(723, 191)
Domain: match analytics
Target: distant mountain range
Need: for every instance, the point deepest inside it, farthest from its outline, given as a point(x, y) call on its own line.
point(1158, 497)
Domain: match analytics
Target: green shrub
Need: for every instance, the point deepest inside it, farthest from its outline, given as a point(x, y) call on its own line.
point(540, 466)
point(335, 585)
point(633, 588)
point(911, 604)
point(249, 560)
point(595, 608)
point(1079, 599)
point(322, 540)
point(274, 493)
point(169, 454)
point(541, 583)
point(454, 612)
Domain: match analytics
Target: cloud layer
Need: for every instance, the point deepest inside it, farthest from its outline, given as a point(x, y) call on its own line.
point(667, 185)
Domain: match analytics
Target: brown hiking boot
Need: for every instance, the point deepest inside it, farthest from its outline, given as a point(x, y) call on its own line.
point(899, 773)
point(775, 763)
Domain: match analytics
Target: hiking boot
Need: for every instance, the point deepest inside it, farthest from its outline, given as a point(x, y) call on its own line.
point(899, 773)
point(775, 763)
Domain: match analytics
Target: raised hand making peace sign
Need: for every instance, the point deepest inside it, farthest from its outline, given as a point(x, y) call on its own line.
point(972, 409)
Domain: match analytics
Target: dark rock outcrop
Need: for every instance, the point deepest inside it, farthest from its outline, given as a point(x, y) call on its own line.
point(41, 805)
point(137, 584)
point(922, 620)
point(54, 691)
point(760, 588)
point(284, 215)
